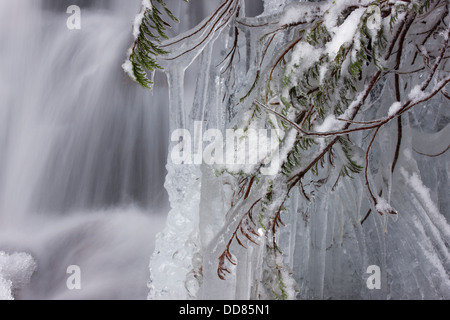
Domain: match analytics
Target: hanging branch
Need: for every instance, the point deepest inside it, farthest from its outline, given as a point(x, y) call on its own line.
point(149, 30)
point(414, 99)
point(245, 229)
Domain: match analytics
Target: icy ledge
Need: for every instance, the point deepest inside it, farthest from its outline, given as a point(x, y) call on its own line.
point(15, 272)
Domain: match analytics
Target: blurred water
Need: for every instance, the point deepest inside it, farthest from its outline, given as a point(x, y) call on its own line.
point(82, 149)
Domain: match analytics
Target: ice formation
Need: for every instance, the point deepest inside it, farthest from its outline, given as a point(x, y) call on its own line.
point(326, 249)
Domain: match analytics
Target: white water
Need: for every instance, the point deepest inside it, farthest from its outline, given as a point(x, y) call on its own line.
point(82, 150)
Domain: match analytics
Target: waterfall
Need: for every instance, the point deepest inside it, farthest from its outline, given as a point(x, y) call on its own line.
point(82, 150)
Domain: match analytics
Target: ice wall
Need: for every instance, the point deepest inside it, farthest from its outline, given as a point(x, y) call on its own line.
point(326, 249)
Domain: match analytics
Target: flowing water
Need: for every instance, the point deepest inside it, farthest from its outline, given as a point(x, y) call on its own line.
point(82, 150)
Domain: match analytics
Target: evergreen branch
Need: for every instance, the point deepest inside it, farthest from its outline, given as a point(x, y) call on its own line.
point(149, 30)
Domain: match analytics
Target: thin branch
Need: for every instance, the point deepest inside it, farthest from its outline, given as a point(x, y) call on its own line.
point(433, 155)
point(200, 29)
point(366, 169)
point(214, 28)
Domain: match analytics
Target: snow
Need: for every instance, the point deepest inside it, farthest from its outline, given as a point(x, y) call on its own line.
point(322, 73)
point(5, 289)
point(416, 93)
point(374, 20)
point(355, 103)
point(383, 206)
point(303, 11)
point(424, 193)
point(303, 57)
point(344, 33)
point(394, 108)
point(138, 19)
point(329, 124)
point(15, 272)
point(127, 66)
